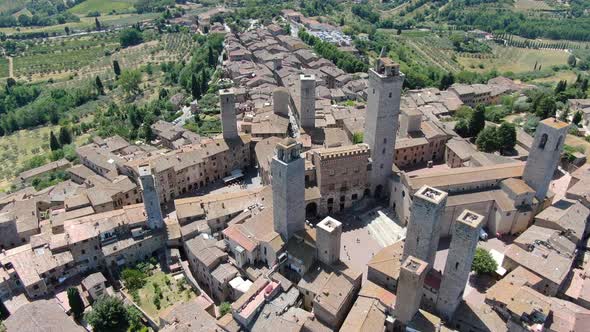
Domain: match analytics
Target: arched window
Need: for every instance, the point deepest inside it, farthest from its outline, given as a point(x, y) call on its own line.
point(543, 141)
point(558, 143)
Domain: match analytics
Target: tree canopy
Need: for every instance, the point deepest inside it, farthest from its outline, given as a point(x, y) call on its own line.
point(483, 263)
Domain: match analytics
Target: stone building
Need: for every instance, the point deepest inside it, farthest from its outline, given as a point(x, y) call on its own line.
point(307, 101)
point(381, 120)
point(151, 200)
point(193, 167)
point(409, 293)
point(328, 235)
point(424, 226)
point(341, 175)
point(288, 187)
point(544, 155)
point(458, 265)
point(227, 101)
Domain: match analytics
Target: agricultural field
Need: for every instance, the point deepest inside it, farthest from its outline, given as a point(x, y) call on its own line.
point(534, 5)
point(169, 291)
point(84, 57)
point(516, 60)
point(86, 23)
point(21, 146)
point(4, 67)
point(102, 6)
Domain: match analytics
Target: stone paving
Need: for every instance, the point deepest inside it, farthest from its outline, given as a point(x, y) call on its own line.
point(365, 233)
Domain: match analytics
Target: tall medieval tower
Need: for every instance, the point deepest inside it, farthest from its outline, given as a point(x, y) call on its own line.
point(459, 260)
point(424, 226)
point(410, 287)
point(288, 188)
point(544, 155)
point(227, 101)
point(151, 200)
point(307, 101)
point(381, 119)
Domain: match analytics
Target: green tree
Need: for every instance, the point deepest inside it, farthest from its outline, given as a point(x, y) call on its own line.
point(130, 36)
point(53, 142)
point(195, 87)
point(446, 81)
point(133, 279)
point(108, 314)
point(134, 319)
point(211, 57)
point(65, 135)
point(462, 128)
point(487, 140)
point(577, 118)
point(99, 86)
point(477, 121)
point(357, 138)
point(571, 60)
point(129, 81)
point(97, 24)
point(546, 107)
point(75, 302)
point(483, 262)
point(116, 68)
point(506, 136)
point(224, 308)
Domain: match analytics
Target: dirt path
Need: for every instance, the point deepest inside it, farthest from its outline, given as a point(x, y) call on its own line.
point(10, 67)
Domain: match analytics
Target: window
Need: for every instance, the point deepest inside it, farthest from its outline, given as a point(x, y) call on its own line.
point(543, 141)
point(456, 265)
point(558, 143)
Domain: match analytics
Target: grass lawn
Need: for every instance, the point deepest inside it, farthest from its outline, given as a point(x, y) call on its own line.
point(171, 294)
point(515, 59)
point(578, 141)
point(567, 75)
point(102, 6)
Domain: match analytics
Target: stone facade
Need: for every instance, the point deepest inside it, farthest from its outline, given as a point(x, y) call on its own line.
point(227, 100)
point(328, 233)
point(544, 155)
point(342, 176)
point(381, 121)
point(288, 188)
point(307, 101)
point(409, 293)
point(458, 265)
point(424, 226)
point(151, 201)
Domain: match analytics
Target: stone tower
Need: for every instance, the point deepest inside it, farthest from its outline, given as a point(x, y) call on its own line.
point(458, 265)
point(328, 234)
point(227, 101)
point(280, 101)
point(288, 188)
point(544, 155)
point(424, 226)
point(151, 200)
point(409, 288)
point(381, 119)
point(307, 101)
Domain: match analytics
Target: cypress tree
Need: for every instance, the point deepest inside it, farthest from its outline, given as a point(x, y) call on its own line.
point(75, 302)
point(99, 85)
point(65, 136)
point(116, 68)
point(53, 142)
